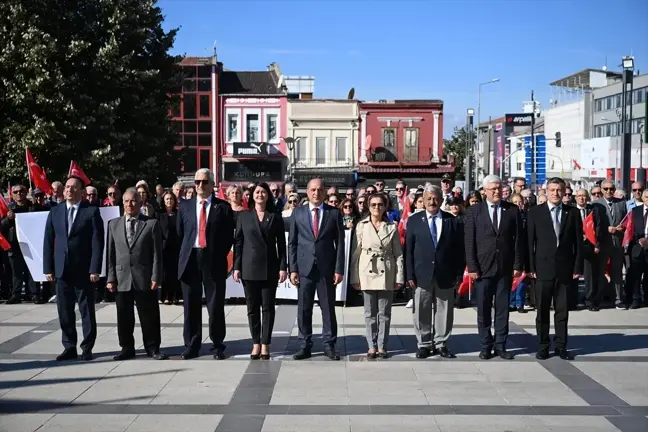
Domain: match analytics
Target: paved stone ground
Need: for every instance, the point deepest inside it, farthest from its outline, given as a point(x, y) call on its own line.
point(604, 389)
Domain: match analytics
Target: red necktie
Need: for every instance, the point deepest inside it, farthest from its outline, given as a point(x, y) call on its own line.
point(202, 225)
point(316, 222)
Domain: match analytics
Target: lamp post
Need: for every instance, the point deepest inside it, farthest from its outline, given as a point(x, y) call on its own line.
point(290, 143)
point(470, 113)
point(626, 119)
point(494, 80)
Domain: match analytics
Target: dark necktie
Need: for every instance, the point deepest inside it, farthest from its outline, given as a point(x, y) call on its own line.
point(433, 231)
point(583, 214)
point(315, 222)
point(70, 219)
point(495, 220)
point(131, 230)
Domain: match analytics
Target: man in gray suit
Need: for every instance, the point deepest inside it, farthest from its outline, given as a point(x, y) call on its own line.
point(316, 262)
point(614, 210)
point(134, 250)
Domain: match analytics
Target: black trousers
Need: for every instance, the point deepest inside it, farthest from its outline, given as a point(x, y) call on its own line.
point(546, 292)
point(148, 311)
point(634, 285)
point(260, 298)
point(497, 288)
point(198, 275)
point(323, 285)
point(68, 291)
point(5, 275)
point(21, 276)
point(170, 289)
point(594, 274)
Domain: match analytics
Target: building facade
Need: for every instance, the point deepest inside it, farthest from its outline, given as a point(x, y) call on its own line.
point(253, 107)
point(325, 133)
point(197, 114)
point(402, 139)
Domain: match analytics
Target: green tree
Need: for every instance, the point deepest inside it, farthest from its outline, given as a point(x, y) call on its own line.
point(87, 80)
point(456, 146)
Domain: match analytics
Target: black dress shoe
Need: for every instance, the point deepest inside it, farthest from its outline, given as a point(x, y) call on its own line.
point(634, 305)
point(486, 354)
point(68, 354)
point(86, 356)
point(521, 310)
point(219, 354)
point(157, 355)
point(446, 353)
point(124, 355)
point(542, 354)
point(383, 355)
point(302, 354)
point(13, 300)
point(593, 308)
point(422, 353)
point(503, 354)
point(189, 354)
point(331, 354)
point(265, 356)
point(563, 354)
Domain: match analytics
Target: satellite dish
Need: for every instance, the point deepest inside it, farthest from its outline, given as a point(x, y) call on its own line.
point(351, 93)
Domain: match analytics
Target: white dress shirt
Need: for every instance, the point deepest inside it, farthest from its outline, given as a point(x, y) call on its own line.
point(582, 211)
point(645, 210)
point(312, 215)
point(437, 219)
point(76, 210)
point(498, 209)
point(558, 212)
point(199, 208)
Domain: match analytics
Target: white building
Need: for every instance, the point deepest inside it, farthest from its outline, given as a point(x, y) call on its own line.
point(568, 119)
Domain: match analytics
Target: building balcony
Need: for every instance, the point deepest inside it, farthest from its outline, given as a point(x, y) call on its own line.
point(323, 164)
point(410, 155)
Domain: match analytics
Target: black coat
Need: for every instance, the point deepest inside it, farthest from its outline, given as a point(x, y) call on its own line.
point(259, 246)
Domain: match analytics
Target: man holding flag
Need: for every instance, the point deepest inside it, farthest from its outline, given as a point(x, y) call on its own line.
point(593, 266)
point(637, 239)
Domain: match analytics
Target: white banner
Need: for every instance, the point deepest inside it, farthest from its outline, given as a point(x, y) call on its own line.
point(287, 290)
point(30, 228)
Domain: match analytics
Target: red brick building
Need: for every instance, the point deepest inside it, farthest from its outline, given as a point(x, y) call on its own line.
point(402, 139)
point(197, 114)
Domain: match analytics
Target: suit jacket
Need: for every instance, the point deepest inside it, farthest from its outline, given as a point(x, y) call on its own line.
point(79, 252)
point(376, 256)
point(220, 234)
point(260, 246)
point(327, 250)
point(611, 218)
point(425, 263)
point(549, 258)
point(637, 252)
point(488, 252)
point(137, 264)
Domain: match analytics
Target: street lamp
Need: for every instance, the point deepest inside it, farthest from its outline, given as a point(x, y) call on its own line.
point(626, 120)
point(470, 114)
point(290, 143)
point(494, 80)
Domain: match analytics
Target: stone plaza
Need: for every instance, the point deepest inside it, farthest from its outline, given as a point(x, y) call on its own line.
point(604, 389)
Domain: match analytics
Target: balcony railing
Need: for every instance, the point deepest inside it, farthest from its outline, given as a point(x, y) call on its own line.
point(409, 155)
point(323, 163)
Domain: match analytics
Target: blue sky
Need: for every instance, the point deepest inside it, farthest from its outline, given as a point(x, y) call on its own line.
point(426, 49)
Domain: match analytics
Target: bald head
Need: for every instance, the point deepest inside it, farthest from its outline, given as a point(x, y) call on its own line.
point(315, 191)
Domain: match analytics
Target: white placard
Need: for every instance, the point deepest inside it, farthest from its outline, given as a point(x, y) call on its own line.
point(595, 154)
point(30, 228)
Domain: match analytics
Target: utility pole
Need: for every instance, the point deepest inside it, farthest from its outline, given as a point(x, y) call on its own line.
point(533, 146)
point(469, 146)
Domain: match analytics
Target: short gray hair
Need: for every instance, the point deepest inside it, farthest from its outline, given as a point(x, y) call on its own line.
point(57, 183)
point(203, 171)
point(92, 189)
point(607, 181)
point(178, 184)
point(587, 194)
point(132, 191)
point(492, 178)
point(433, 189)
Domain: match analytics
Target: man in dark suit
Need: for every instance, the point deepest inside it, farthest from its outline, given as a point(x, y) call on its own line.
point(555, 240)
point(638, 253)
point(435, 262)
point(206, 234)
point(592, 264)
point(495, 254)
point(612, 238)
point(73, 255)
point(134, 250)
point(316, 262)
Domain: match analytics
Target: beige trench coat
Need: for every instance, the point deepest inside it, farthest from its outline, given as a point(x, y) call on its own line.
point(376, 257)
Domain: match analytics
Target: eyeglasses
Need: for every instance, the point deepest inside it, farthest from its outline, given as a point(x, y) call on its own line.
point(596, 193)
point(201, 182)
point(400, 189)
point(380, 184)
point(17, 191)
point(274, 190)
point(334, 203)
point(292, 201)
point(637, 190)
point(610, 189)
point(361, 202)
point(348, 206)
point(111, 194)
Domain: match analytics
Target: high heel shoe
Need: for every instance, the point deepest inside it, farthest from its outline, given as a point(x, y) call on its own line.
point(265, 356)
point(255, 356)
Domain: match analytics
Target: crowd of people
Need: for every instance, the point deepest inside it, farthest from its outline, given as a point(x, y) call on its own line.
point(175, 247)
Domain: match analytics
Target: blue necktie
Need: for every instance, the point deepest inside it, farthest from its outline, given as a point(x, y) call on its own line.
point(433, 231)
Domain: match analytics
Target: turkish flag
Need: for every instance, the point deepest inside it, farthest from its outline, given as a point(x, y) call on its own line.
point(517, 281)
point(402, 224)
point(4, 244)
point(221, 193)
point(628, 224)
point(76, 171)
point(37, 174)
point(588, 228)
point(466, 284)
point(4, 208)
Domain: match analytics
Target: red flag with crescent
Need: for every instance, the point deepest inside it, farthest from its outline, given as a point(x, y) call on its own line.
point(4, 244)
point(37, 174)
point(4, 207)
point(76, 171)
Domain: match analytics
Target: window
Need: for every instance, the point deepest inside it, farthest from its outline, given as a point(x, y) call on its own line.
point(204, 71)
point(205, 140)
point(189, 161)
point(189, 85)
point(204, 105)
point(320, 151)
point(599, 105)
point(190, 127)
point(204, 126)
point(519, 166)
point(189, 101)
point(340, 149)
point(205, 158)
point(598, 131)
point(189, 140)
point(232, 127)
point(252, 122)
point(389, 137)
point(411, 138)
point(607, 130)
point(617, 101)
point(300, 149)
point(204, 85)
point(175, 109)
point(271, 127)
point(608, 103)
point(640, 95)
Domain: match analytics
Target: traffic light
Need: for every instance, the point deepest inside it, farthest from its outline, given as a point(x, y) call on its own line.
point(558, 139)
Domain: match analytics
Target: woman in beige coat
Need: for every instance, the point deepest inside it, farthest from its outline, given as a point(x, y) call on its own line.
point(376, 268)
